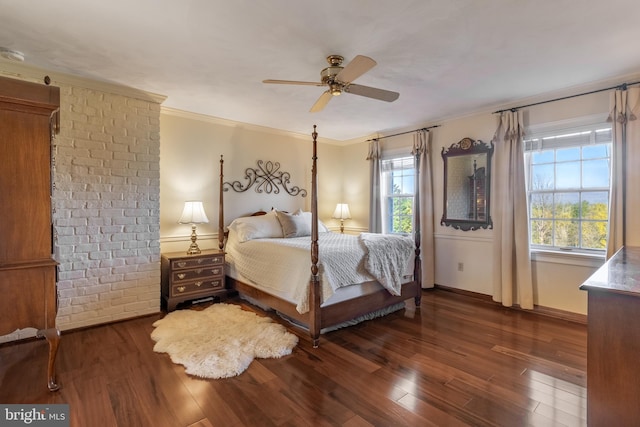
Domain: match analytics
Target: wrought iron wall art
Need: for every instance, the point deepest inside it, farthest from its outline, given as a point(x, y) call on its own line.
point(266, 178)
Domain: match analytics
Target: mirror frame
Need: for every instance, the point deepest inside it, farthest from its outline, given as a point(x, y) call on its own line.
point(468, 146)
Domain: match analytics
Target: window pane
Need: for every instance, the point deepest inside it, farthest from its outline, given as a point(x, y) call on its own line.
point(595, 173)
point(541, 232)
point(568, 175)
point(545, 156)
point(396, 185)
point(388, 186)
point(402, 213)
point(595, 205)
point(594, 234)
point(541, 205)
point(542, 177)
point(407, 184)
point(566, 234)
point(567, 205)
point(595, 151)
point(565, 154)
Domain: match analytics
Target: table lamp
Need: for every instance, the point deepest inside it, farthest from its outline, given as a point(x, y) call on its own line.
point(342, 213)
point(193, 213)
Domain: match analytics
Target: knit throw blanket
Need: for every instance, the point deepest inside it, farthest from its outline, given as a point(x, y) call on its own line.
point(386, 259)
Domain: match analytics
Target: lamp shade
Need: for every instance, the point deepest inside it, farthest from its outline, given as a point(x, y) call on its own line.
point(342, 211)
point(193, 213)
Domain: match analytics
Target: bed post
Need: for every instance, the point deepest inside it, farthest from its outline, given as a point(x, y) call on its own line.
point(221, 208)
point(314, 284)
point(417, 266)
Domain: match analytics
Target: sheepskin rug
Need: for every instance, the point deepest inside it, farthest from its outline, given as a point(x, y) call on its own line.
point(221, 340)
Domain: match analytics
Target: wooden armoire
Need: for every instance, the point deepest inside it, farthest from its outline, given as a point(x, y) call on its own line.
point(28, 294)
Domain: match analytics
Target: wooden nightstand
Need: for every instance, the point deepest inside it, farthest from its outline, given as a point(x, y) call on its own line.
point(192, 277)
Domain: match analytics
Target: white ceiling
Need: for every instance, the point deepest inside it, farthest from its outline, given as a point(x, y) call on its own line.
point(445, 58)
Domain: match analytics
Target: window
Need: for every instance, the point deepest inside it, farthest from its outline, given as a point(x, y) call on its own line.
point(398, 190)
point(568, 184)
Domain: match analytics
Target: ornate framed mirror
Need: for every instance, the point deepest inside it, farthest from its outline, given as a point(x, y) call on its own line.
point(467, 185)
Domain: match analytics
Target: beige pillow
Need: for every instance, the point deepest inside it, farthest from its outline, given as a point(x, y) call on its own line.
point(294, 225)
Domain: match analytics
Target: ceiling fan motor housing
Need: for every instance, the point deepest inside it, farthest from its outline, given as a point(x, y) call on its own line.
point(329, 74)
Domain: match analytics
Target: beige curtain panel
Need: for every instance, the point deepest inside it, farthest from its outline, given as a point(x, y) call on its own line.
point(422, 151)
point(625, 179)
point(375, 204)
point(512, 262)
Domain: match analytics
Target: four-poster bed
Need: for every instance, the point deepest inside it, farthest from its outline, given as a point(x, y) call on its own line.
point(317, 313)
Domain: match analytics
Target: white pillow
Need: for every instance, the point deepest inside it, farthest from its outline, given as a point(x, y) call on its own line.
point(321, 227)
point(256, 227)
point(297, 224)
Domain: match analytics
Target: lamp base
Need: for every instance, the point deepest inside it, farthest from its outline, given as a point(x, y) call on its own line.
point(342, 226)
point(193, 248)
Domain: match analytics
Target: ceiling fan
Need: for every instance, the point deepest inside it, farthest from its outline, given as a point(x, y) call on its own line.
point(339, 79)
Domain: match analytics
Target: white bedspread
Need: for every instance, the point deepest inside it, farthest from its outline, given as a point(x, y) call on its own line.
point(283, 266)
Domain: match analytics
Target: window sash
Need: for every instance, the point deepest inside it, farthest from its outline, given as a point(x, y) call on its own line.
point(598, 134)
point(398, 164)
point(552, 219)
point(399, 169)
point(390, 218)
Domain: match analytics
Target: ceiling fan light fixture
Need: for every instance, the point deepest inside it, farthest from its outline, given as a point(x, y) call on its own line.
point(336, 89)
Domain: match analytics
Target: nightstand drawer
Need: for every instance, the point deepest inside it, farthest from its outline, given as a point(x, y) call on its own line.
point(192, 277)
point(197, 262)
point(198, 286)
point(196, 273)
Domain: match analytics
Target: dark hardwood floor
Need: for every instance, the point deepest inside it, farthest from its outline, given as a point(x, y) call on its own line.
point(457, 361)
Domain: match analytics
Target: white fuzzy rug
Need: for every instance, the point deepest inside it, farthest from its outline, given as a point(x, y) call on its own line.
point(221, 340)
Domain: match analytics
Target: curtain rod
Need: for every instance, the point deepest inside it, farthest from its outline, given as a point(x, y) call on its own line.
point(403, 133)
point(622, 86)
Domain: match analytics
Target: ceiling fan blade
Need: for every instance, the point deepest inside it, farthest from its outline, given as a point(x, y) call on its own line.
point(357, 67)
point(372, 92)
point(293, 82)
point(321, 102)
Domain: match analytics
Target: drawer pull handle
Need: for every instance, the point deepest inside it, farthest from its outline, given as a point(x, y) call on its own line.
point(198, 271)
point(181, 275)
point(200, 260)
point(198, 284)
point(181, 288)
point(216, 260)
point(215, 271)
point(182, 263)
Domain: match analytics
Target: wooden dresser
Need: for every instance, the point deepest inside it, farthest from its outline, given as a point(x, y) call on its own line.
point(613, 341)
point(28, 119)
point(192, 277)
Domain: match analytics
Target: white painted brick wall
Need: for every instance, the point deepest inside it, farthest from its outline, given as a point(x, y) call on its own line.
point(107, 207)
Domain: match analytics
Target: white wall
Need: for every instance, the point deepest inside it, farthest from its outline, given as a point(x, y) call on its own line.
point(556, 278)
point(190, 152)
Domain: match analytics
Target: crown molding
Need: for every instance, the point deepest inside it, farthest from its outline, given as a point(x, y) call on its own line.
point(232, 123)
point(35, 74)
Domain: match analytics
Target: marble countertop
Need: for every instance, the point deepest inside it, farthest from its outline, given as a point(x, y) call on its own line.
point(620, 274)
